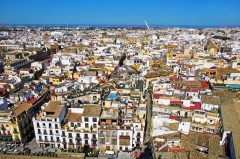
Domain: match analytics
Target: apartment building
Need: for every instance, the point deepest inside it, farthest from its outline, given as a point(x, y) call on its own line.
point(56, 126)
point(47, 124)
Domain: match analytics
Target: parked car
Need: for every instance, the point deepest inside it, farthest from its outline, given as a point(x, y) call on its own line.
point(15, 152)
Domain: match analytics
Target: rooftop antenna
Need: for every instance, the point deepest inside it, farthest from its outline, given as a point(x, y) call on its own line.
point(146, 24)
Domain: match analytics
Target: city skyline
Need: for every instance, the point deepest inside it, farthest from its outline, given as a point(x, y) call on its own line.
point(206, 13)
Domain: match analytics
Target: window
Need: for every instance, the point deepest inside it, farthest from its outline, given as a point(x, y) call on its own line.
point(94, 142)
point(94, 125)
point(86, 125)
point(85, 119)
point(79, 124)
point(39, 131)
point(86, 136)
point(44, 124)
point(86, 141)
point(15, 130)
point(70, 135)
point(56, 126)
point(94, 119)
point(56, 131)
point(72, 124)
point(50, 125)
point(93, 136)
point(38, 125)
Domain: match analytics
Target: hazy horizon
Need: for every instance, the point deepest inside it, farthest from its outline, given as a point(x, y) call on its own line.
point(108, 12)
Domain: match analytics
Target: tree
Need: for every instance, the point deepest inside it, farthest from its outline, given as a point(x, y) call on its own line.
point(16, 138)
point(80, 150)
point(69, 149)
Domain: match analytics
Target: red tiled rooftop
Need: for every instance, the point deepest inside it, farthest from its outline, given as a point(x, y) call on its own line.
point(177, 149)
point(174, 117)
point(173, 79)
point(204, 84)
point(32, 101)
point(197, 106)
point(157, 96)
point(176, 102)
point(177, 87)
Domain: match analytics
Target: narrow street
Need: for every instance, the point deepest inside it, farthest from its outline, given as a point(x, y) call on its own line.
point(146, 150)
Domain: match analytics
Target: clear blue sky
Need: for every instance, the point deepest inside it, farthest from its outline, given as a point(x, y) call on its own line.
point(123, 12)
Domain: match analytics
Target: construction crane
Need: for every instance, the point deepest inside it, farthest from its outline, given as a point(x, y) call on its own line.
point(146, 24)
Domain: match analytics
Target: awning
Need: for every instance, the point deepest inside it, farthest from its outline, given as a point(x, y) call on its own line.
point(9, 138)
point(0, 137)
point(4, 138)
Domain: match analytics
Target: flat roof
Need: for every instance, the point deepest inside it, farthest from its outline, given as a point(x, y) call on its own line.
point(230, 109)
point(54, 107)
point(210, 99)
point(74, 117)
point(92, 110)
point(21, 108)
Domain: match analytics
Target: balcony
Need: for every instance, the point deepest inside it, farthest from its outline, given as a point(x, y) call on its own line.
point(58, 141)
point(78, 143)
point(39, 133)
point(94, 138)
point(57, 134)
point(70, 136)
point(52, 140)
point(138, 142)
point(94, 144)
point(78, 137)
point(46, 140)
point(138, 136)
point(63, 135)
point(40, 140)
point(64, 142)
point(45, 133)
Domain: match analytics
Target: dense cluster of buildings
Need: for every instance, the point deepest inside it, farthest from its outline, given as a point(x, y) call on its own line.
point(122, 89)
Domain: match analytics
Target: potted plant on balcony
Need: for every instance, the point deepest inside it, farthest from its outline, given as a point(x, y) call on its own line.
point(69, 149)
point(91, 128)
